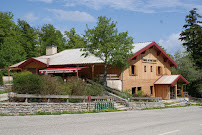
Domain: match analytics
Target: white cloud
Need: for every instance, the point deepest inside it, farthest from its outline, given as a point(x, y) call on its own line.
point(46, 1)
point(47, 19)
point(30, 17)
point(146, 6)
point(72, 15)
point(172, 43)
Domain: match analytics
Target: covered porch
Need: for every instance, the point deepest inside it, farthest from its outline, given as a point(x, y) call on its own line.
point(166, 86)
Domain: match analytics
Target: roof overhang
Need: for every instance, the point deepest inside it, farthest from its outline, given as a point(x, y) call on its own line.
point(29, 61)
point(61, 70)
point(171, 80)
point(159, 52)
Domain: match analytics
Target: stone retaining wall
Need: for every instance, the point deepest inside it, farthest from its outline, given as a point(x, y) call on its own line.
point(31, 108)
point(140, 105)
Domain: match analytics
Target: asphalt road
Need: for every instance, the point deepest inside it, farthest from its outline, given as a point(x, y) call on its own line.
point(172, 121)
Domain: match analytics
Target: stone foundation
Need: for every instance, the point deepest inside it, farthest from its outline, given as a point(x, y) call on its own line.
point(140, 105)
point(31, 108)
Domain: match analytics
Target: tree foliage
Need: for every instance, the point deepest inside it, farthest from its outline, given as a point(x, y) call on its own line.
point(105, 42)
point(21, 41)
point(74, 40)
point(49, 36)
point(187, 69)
point(192, 36)
point(11, 51)
point(28, 38)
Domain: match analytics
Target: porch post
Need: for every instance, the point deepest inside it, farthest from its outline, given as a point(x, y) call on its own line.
point(8, 74)
point(77, 73)
point(36, 71)
point(175, 91)
point(181, 90)
point(92, 71)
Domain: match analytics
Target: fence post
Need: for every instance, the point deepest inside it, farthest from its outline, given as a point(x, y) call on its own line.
point(89, 98)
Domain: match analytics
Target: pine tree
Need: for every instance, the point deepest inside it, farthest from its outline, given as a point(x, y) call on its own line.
point(192, 36)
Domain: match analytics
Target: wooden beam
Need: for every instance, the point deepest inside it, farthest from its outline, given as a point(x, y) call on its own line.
point(159, 53)
point(135, 58)
point(36, 70)
point(176, 91)
point(143, 52)
point(181, 90)
point(8, 74)
point(166, 60)
point(152, 47)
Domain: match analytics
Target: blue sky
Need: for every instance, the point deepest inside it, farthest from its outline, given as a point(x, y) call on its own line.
point(145, 20)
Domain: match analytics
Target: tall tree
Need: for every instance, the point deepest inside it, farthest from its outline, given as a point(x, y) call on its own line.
point(105, 42)
point(192, 36)
point(28, 38)
point(6, 23)
point(11, 51)
point(74, 40)
point(50, 36)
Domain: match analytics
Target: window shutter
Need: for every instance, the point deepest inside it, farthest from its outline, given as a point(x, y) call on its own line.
point(130, 73)
point(136, 70)
point(161, 70)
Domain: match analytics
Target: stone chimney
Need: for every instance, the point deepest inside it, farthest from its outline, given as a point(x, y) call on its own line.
point(51, 50)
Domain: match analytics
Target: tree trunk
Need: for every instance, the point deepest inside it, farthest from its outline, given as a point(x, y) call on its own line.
point(105, 76)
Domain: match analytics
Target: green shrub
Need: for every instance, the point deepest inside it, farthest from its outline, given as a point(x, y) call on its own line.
point(140, 94)
point(77, 85)
point(95, 90)
point(54, 85)
point(127, 93)
point(81, 88)
point(26, 82)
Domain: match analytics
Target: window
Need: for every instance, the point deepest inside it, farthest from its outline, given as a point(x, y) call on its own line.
point(139, 88)
point(133, 90)
point(151, 90)
point(144, 60)
point(154, 61)
point(159, 70)
point(132, 69)
point(145, 69)
point(151, 69)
